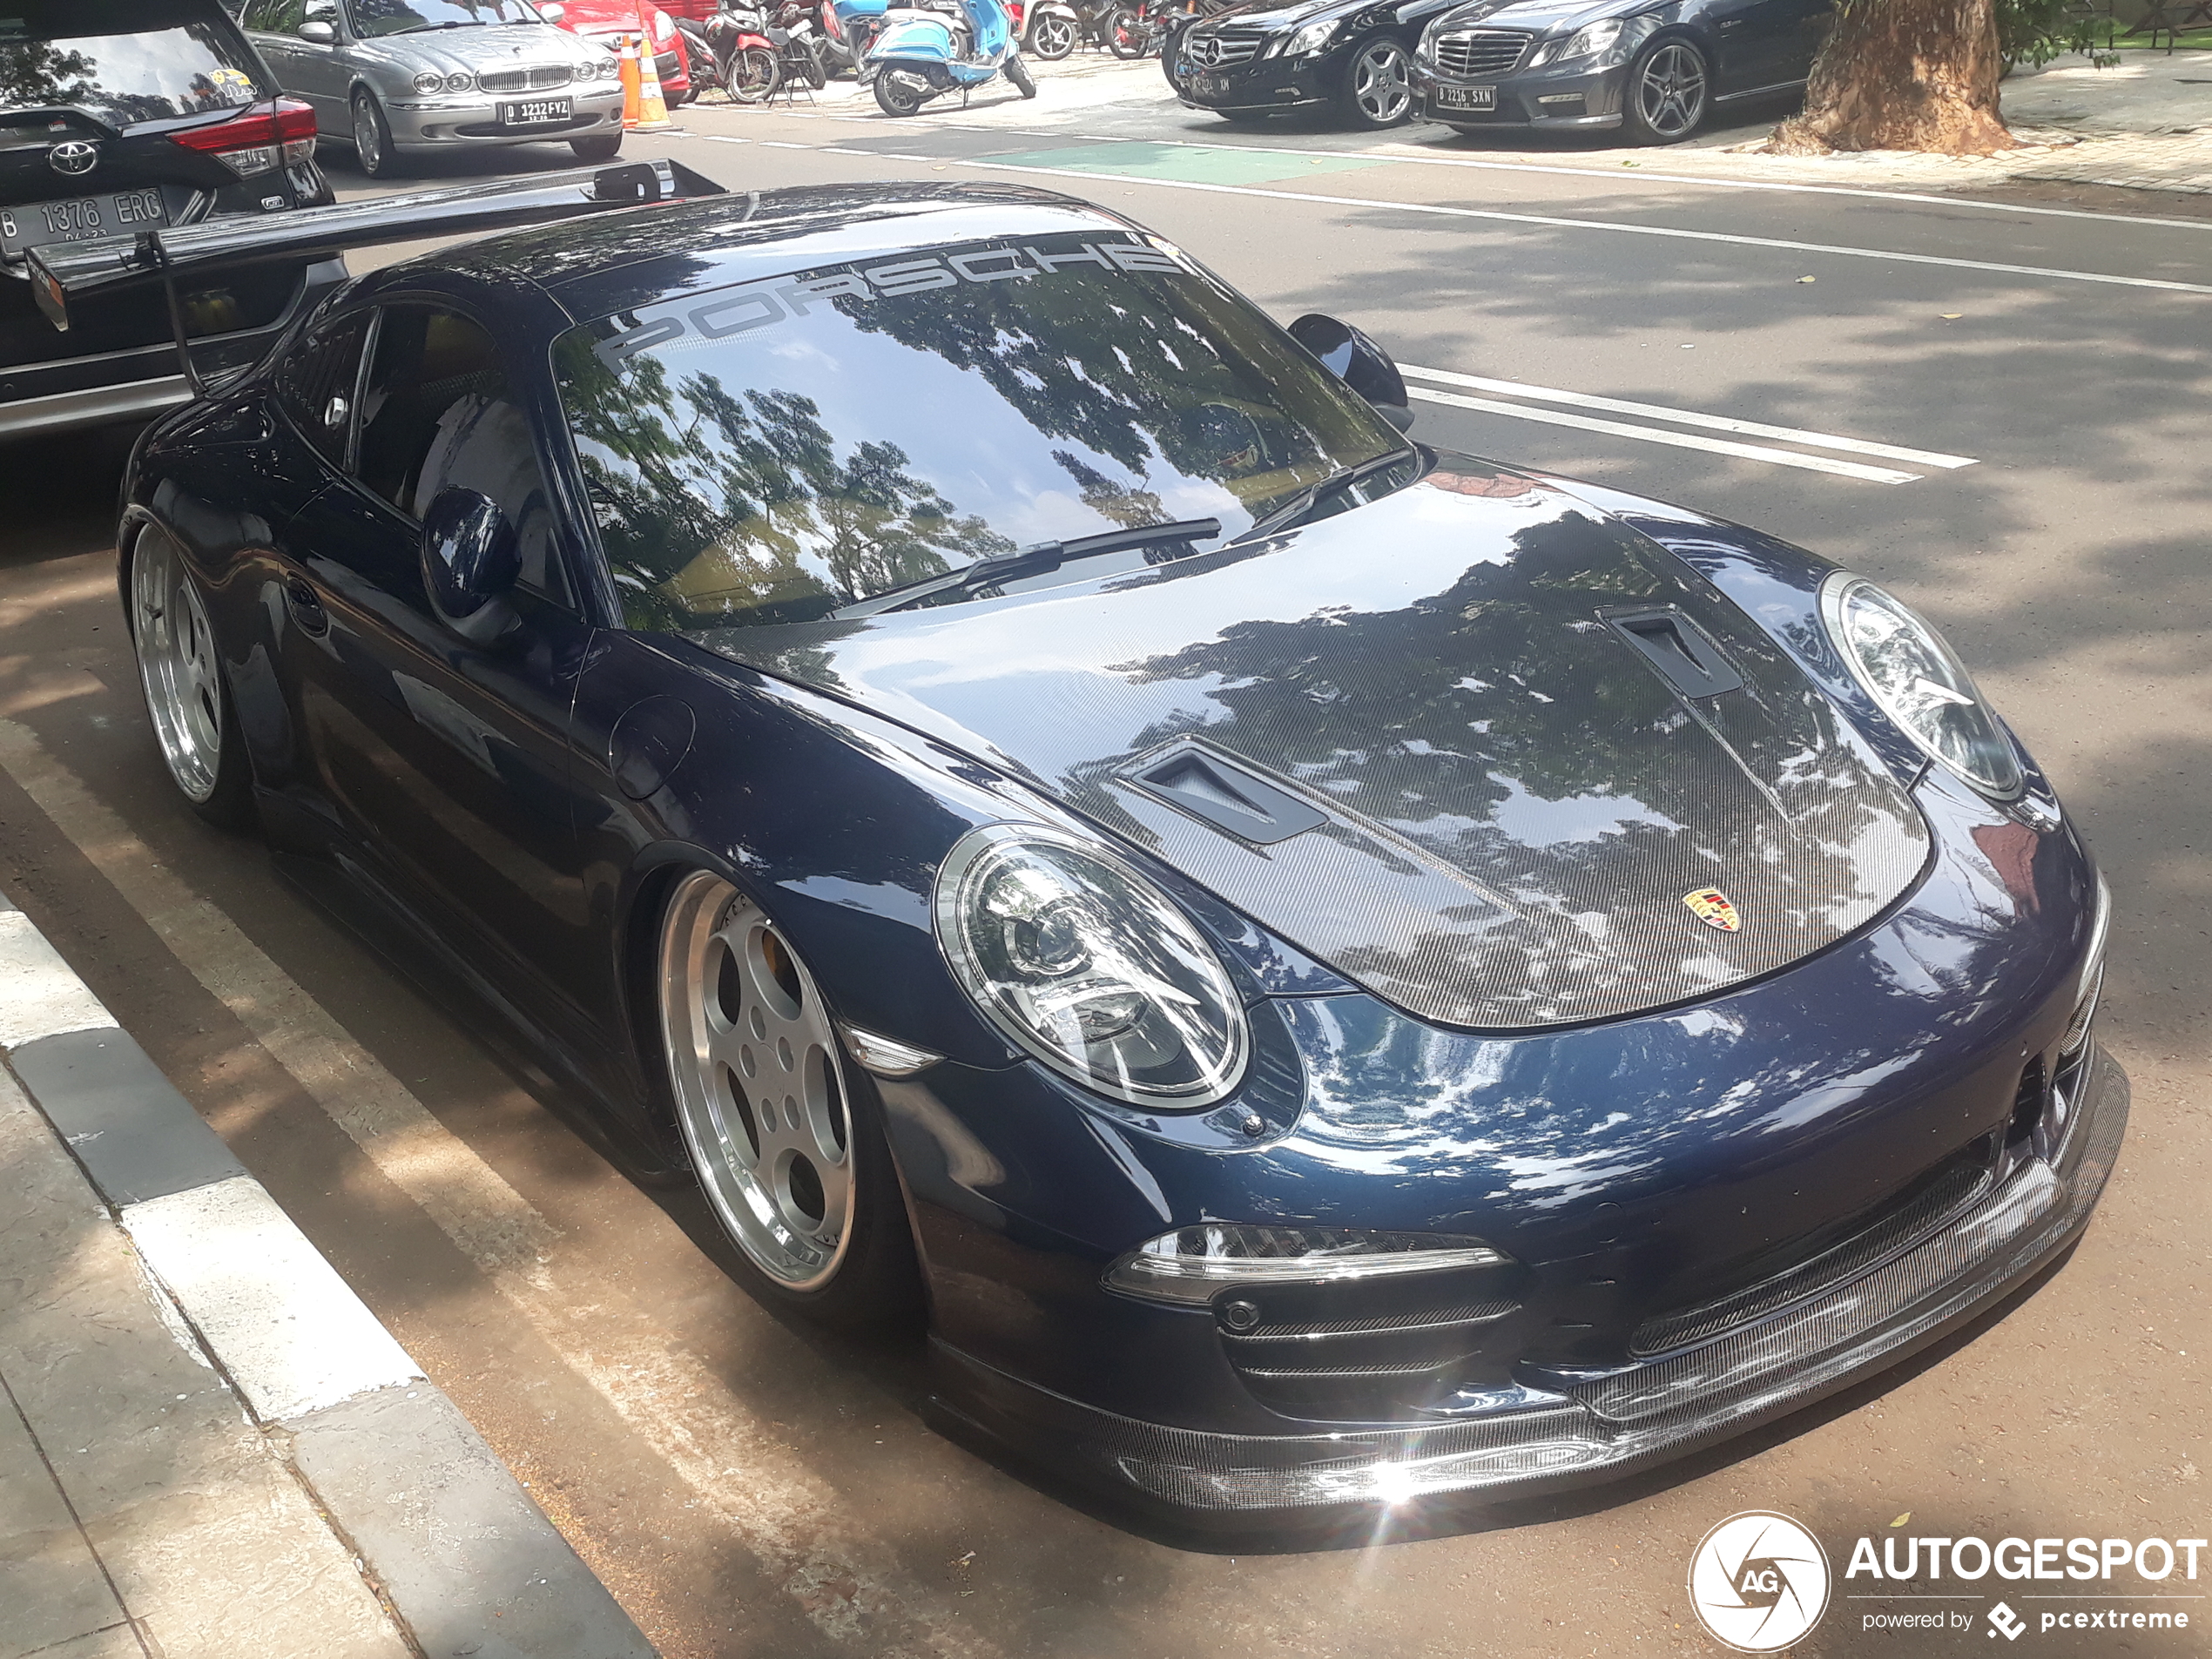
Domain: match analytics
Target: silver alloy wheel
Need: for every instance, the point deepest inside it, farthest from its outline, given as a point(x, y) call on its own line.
point(368, 143)
point(177, 663)
point(1381, 84)
point(753, 1058)
point(1670, 93)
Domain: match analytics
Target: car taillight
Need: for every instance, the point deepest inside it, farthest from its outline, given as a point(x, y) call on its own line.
point(259, 138)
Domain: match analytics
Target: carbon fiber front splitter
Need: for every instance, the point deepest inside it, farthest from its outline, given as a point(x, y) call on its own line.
point(1630, 1420)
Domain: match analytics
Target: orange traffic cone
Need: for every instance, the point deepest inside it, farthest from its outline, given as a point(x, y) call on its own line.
point(628, 54)
point(652, 109)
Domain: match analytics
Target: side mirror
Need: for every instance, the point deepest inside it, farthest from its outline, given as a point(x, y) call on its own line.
point(552, 10)
point(1359, 362)
point(316, 32)
point(471, 560)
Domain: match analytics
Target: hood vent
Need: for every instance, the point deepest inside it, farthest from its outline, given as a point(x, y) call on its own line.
point(1215, 791)
point(1683, 653)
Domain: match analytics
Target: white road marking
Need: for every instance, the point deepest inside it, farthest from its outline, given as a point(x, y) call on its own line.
point(744, 1472)
point(726, 137)
point(40, 994)
point(291, 1334)
point(1678, 439)
point(1400, 152)
point(1689, 417)
point(1554, 222)
point(784, 144)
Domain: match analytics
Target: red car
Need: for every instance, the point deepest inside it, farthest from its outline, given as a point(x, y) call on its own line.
point(607, 21)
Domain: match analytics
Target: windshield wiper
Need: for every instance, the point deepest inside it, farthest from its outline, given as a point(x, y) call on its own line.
point(425, 28)
point(1293, 512)
point(1029, 561)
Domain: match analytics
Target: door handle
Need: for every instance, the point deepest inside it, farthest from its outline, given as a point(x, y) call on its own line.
point(305, 605)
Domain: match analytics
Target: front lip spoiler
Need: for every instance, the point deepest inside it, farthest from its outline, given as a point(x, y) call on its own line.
point(1638, 1416)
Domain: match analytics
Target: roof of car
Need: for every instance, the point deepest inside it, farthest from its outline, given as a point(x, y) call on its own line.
point(597, 265)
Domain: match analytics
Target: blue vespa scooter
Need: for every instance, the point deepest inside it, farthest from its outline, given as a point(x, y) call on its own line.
point(928, 48)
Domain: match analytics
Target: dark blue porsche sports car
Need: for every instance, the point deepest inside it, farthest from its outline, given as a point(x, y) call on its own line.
point(1326, 971)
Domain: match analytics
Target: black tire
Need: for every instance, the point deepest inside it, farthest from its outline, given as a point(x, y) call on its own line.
point(873, 1282)
point(1018, 72)
point(1669, 92)
point(600, 146)
point(809, 65)
point(895, 97)
point(372, 145)
point(228, 802)
point(1052, 38)
point(1127, 37)
point(752, 74)
point(1378, 90)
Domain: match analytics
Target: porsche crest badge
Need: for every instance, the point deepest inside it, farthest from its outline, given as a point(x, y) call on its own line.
point(1715, 908)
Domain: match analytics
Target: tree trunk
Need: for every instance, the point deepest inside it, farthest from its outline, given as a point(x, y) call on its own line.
point(1904, 75)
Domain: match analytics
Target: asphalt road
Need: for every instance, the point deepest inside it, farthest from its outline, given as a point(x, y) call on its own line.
point(2001, 411)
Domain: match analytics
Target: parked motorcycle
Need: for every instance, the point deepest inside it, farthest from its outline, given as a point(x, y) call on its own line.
point(749, 65)
point(698, 51)
point(795, 34)
point(854, 25)
point(1046, 29)
point(928, 48)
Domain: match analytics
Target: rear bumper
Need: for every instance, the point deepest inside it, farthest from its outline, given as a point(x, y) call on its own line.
point(1608, 1424)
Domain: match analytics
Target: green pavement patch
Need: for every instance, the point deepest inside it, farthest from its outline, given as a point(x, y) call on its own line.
point(1183, 163)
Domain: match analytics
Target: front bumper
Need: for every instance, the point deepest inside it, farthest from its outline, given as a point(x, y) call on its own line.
point(1588, 98)
point(1606, 1424)
point(1260, 84)
point(444, 124)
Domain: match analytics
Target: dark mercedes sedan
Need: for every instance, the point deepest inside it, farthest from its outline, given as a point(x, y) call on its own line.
point(1654, 71)
point(1351, 59)
point(1324, 971)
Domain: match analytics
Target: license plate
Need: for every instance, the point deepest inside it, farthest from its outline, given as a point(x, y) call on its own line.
point(1210, 86)
point(80, 219)
point(537, 112)
point(1465, 98)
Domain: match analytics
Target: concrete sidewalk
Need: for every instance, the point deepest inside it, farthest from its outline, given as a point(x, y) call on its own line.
point(209, 1447)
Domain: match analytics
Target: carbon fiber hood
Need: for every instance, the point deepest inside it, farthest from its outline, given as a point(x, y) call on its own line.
point(1504, 801)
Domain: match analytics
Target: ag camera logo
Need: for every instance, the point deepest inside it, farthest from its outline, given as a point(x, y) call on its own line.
point(1758, 1581)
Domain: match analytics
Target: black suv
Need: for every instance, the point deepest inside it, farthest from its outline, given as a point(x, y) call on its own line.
point(121, 116)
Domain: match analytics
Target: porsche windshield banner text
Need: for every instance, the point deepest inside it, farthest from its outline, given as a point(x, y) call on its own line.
point(760, 305)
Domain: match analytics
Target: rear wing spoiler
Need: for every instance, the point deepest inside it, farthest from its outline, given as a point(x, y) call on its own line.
point(62, 274)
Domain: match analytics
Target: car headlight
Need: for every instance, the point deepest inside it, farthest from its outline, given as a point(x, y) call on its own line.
point(430, 81)
point(1600, 39)
point(1308, 40)
point(1086, 965)
point(1189, 1265)
point(1919, 682)
point(459, 81)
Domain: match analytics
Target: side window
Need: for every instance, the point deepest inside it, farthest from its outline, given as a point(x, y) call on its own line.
point(258, 16)
point(317, 383)
point(437, 412)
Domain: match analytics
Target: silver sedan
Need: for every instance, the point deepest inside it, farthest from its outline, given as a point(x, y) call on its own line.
point(405, 78)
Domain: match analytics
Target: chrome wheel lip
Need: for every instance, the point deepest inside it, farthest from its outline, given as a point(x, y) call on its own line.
point(1670, 92)
point(177, 667)
point(747, 1156)
point(1382, 99)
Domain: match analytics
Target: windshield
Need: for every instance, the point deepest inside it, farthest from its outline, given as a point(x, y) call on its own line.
point(119, 62)
point(771, 452)
point(373, 19)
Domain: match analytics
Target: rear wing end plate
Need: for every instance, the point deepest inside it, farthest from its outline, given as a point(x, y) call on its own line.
point(65, 274)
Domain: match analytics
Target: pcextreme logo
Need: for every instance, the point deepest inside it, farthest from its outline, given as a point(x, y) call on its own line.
point(1758, 1581)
